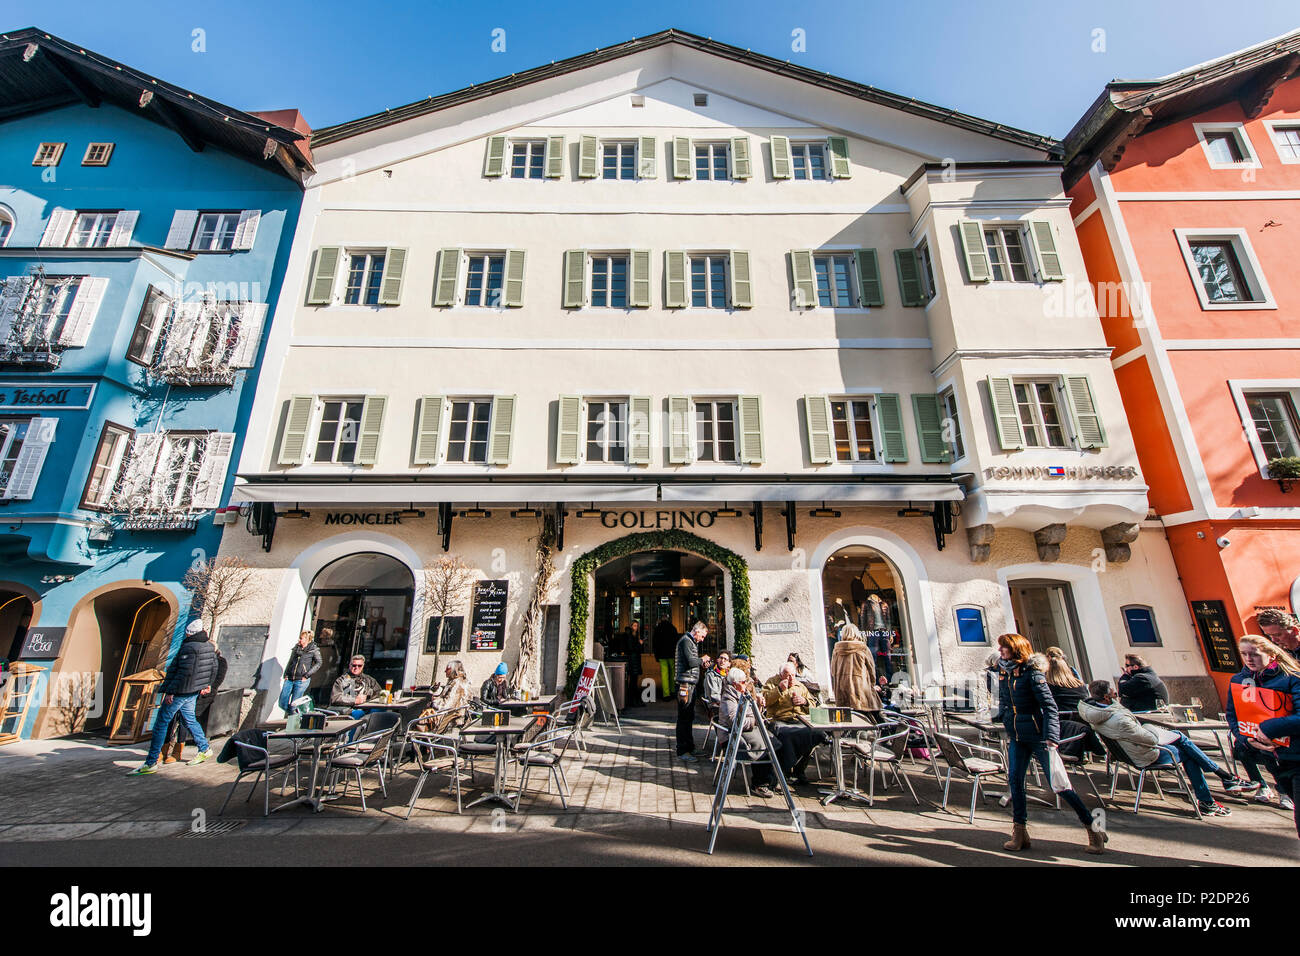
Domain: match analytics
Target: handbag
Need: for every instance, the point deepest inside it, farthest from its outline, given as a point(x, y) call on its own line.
point(1253, 705)
point(1056, 770)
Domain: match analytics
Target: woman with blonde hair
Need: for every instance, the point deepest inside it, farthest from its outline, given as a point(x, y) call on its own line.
point(853, 675)
point(1262, 718)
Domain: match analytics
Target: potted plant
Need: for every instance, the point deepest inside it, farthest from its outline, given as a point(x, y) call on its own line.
point(1284, 471)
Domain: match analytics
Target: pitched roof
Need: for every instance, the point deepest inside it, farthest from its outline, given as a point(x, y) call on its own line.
point(333, 134)
point(1127, 107)
point(39, 71)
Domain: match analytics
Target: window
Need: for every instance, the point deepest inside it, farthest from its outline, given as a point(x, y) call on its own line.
point(148, 327)
point(1040, 414)
point(1223, 147)
point(1286, 140)
point(948, 405)
point(809, 160)
point(484, 280)
point(701, 99)
point(340, 429)
point(609, 281)
point(834, 275)
point(1224, 270)
point(851, 427)
point(50, 311)
point(215, 232)
point(92, 229)
point(606, 431)
point(6, 226)
point(1005, 245)
point(467, 438)
point(114, 441)
point(1140, 622)
point(709, 282)
point(1220, 271)
point(715, 431)
point(711, 161)
point(97, 154)
point(618, 160)
point(177, 473)
point(12, 433)
point(1226, 145)
point(48, 154)
point(365, 273)
point(927, 270)
point(1277, 426)
point(528, 159)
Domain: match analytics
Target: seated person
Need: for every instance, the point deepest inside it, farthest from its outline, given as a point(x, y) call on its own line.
point(494, 689)
point(454, 693)
point(1139, 687)
point(804, 676)
point(1150, 747)
point(736, 686)
point(712, 681)
point(784, 699)
point(354, 686)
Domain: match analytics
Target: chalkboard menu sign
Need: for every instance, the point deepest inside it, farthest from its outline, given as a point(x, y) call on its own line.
point(451, 634)
point(1216, 636)
point(487, 626)
point(243, 647)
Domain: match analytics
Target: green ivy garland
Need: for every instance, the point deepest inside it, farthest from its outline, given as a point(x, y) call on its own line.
point(580, 592)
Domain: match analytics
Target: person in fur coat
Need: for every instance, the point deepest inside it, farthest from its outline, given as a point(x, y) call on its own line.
point(853, 673)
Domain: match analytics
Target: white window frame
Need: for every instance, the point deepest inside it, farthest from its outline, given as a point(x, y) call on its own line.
point(925, 258)
point(1240, 389)
point(810, 144)
point(474, 401)
point(98, 219)
point(620, 145)
point(947, 398)
point(532, 145)
point(7, 438)
point(712, 145)
point(53, 159)
point(69, 292)
point(588, 402)
point(1001, 227)
point(345, 272)
point(487, 255)
point(220, 214)
point(318, 419)
point(1062, 412)
point(854, 292)
point(112, 471)
point(714, 401)
point(7, 216)
point(1272, 126)
point(89, 159)
point(626, 256)
point(1250, 159)
point(709, 258)
point(1251, 272)
point(872, 425)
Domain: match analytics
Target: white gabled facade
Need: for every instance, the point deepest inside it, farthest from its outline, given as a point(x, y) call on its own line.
point(710, 336)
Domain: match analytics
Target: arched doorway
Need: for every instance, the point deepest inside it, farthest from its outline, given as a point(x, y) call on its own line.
point(16, 611)
point(361, 604)
point(861, 587)
point(647, 587)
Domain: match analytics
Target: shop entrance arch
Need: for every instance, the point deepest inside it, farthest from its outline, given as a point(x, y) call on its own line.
point(17, 613)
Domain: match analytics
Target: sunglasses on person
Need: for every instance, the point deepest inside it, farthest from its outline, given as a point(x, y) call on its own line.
point(355, 667)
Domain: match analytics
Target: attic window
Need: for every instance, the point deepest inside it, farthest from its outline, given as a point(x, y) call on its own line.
point(48, 154)
point(97, 154)
point(638, 99)
point(701, 99)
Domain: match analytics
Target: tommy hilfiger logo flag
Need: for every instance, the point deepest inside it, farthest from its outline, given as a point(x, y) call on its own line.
point(1056, 471)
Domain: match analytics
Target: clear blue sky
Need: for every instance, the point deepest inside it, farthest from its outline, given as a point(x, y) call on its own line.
point(1027, 64)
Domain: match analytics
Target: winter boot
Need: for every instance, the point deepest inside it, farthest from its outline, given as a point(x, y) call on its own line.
point(1019, 838)
point(1096, 840)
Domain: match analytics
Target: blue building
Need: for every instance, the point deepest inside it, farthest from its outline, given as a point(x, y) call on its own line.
point(143, 230)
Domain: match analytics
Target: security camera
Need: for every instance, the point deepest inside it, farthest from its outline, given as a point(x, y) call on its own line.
point(1222, 542)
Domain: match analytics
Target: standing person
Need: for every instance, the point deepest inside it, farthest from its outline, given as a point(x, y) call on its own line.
point(193, 669)
point(174, 748)
point(635, 648)
point(664, 642)
point(688, 675)
point(853, 677)
point(1262, 718)
point(1282, 629)
point(1139, 688)
point(1033, 728)
point(304, 661)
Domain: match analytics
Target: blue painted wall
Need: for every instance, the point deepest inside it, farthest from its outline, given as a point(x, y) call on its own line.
point(153, 171)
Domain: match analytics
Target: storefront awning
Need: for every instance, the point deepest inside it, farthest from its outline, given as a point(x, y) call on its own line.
point(345, 495)
point(846, 493)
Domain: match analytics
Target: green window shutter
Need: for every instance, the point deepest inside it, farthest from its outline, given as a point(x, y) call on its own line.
point(428, 430)
point(838, 146)
point(741, 166)
point(372, 423)
point(893, 440)
point(782, 168)
point(293, 443)
point(1005, 415)
point(871, 289)
point(1044, 242)
point(974, 251)
point(390, 286)
point(568, 430)
point(575, 278)
point(675, 280)
point(494, 163)
point(681, 157)
point(751, 429)
point(501, 440)
point(909, 277)
point(681, 430)
point(742, 285)
point(817, 426)
point(444, 286)
point(514, 284)
point(587, 158)
point(805, 286)
point(1087, 423)
point(647, 165)
point(929, 428)
point(638, 293)
point(320, 288)
point(554, 157)
point(638, 429)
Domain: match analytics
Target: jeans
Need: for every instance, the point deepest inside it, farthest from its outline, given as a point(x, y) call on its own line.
point(1194, 762)
point(1250, 759)
point(1018, 755)
point(686, 722)
point(291, 691)
point(666, 667)
point(179, 705)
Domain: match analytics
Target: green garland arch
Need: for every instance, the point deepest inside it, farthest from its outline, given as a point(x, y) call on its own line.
point(580, 592)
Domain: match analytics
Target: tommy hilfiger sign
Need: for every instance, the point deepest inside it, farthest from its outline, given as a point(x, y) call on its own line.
point(1077, 472)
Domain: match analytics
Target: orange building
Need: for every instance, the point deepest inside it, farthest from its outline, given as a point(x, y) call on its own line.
point(1186, 198)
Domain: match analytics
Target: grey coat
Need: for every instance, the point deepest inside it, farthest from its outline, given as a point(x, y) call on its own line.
point(688, 660)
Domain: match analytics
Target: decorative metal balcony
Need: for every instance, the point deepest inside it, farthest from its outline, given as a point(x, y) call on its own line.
point(19, 353)
point(161, 521)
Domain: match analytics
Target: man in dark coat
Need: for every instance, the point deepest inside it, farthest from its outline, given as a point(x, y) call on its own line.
point(688, 676)
point(664, 642)
point(174, 748)
point(193, 670)
point(1139, 687)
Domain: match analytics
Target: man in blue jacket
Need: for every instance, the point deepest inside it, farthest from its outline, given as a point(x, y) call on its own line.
point(193, 670)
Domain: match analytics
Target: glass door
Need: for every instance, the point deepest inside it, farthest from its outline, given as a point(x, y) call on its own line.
point(1046, 615)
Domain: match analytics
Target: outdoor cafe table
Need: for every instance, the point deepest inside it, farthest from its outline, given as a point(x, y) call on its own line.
point(520, 708)
point(332, 730)
point(1215, 727)
point(837, 730)
point(501, 735)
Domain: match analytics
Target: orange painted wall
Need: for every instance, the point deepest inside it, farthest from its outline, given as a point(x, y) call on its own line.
point(1155, 448)
point(1116, 310)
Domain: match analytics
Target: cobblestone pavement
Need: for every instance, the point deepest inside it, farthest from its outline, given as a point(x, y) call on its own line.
point(627, 786)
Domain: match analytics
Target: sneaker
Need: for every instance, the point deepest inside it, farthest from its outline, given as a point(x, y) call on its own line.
point(1237, 786)
point(1287, 803)
point(1265, 795)
point(1215, 809)
point(688, 758)
point(763, 792)
point(203, 755)
point(143, 769)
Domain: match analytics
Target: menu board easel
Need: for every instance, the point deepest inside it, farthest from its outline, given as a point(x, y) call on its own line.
point(594, 680)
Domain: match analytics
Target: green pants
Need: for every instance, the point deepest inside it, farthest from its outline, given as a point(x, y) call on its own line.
point(666, 667)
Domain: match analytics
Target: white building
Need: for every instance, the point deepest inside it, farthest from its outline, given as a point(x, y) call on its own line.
point(818, 344)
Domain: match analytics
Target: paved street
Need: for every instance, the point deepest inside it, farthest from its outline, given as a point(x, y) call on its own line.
point(69, 802)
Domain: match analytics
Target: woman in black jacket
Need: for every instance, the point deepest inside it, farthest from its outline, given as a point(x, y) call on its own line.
point(1033, 728)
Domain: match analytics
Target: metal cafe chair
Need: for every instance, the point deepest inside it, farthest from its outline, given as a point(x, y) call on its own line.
point(973, 768)
point(581, 713)
point(546, 751)
point(1079, 763)
point(886, 752)
point(918, 727)
point(435, 753)
point(1116, 758)
point(254, 758)
point(364, 753)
